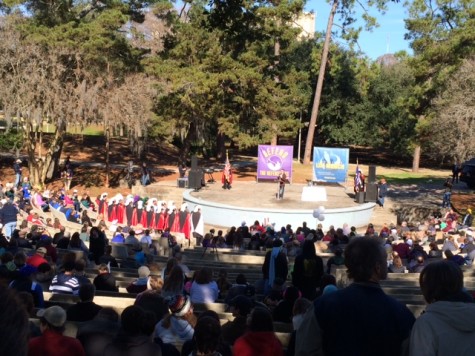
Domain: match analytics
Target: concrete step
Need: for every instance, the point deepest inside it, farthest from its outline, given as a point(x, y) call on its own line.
point(162, 191)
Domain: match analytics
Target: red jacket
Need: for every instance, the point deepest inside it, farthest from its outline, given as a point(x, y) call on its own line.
point(52, 343)
point(258, 344)
point(35, 260)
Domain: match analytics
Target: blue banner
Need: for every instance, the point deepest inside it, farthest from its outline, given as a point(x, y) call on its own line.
point(330, 164)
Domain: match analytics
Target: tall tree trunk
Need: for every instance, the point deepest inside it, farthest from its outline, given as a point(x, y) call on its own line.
point(318, 89)
point(274, 138)
point(54, 151)
point(108, 140)
point(220, 147)
point(416, 158)
point(39, 166)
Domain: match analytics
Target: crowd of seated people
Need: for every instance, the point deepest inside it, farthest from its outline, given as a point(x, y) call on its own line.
point(169, 323)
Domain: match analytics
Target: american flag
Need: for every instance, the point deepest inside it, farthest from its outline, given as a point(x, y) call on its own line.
point(358, 181)
point(227, 171)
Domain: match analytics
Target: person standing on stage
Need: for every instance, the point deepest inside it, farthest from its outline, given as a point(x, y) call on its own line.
point(281, 179)
point(227, 176)
point(145, 180)
point(382, 191)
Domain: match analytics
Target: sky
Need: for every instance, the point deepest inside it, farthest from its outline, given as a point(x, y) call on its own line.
point(389, 35)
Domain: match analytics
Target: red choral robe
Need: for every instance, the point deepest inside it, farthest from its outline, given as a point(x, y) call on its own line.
point(102, 208)
point(162, 221)
point(176, 223)
point(136, 216)
point(186, 226)
point(150, 219)
point(120, 213)
point(112, 210)
point(144, 220)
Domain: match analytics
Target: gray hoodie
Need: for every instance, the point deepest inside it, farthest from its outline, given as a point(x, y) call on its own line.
point(446, 328)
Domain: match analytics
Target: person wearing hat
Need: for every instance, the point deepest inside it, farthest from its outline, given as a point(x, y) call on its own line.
point(53, 342)
point(178, 326)
point(140, 284)
point(38, 258)
point(240, 306)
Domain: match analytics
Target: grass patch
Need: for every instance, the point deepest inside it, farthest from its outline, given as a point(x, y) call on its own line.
point(93, 131)
point(412, 178)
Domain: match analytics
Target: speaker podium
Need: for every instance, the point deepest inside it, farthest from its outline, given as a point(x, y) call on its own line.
point(371, 194)
point(371, 175)
point(196, 175)
point(359, 197)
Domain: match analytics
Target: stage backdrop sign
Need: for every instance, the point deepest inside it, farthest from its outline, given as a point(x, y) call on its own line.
point(271, 159)
point(330, 164)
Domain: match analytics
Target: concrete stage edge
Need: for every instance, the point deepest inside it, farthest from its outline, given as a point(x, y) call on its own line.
point(218, 214)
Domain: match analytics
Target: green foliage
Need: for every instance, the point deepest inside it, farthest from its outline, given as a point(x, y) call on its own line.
point(222, 75)
point(442, 34)
point(11, 140)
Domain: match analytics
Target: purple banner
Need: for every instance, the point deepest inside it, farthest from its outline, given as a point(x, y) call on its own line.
point(271, 159)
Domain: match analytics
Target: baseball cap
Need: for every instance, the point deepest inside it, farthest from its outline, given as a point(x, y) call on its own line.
point(243, 303)
point(54, 315)
point(42, 250)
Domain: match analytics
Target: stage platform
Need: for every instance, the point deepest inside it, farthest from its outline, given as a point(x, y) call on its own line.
point(250, 201)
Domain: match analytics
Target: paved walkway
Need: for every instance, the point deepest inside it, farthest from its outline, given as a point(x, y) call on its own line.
point(410, 201)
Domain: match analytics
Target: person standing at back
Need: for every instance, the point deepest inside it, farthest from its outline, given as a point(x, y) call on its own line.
point(308, 270)
point(359, 319)
point(275, 265)
point(8, 217)
point(382, 191)
point(17, 169)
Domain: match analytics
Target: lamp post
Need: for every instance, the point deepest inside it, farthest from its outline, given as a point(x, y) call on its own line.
point(300, 136)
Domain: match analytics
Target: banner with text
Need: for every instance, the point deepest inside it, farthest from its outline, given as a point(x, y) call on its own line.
point(330, 164)
point(271, 159)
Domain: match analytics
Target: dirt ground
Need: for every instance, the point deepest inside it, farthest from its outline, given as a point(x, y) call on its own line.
point(163, 159)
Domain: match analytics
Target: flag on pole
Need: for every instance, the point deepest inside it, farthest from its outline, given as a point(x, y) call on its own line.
point(358, 180)
point(227, 175)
